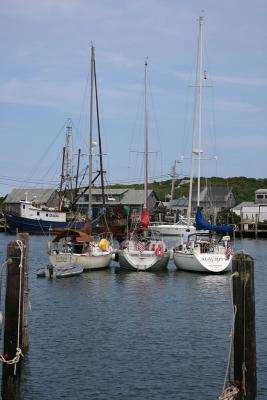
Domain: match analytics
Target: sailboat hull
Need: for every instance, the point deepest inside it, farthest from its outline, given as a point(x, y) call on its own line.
point(206, 262)
point(88, 262)
point(147, 261)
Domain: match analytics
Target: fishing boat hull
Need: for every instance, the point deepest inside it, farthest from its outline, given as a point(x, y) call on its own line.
point(17, 223)
point(89, 262)
point(206, 262)
point(147, 261)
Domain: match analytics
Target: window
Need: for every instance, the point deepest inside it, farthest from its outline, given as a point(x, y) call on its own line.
point(38, 213)
point(259, 196)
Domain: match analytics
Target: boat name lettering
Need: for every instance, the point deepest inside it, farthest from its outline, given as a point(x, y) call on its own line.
point(141, 255)
point(212, 259)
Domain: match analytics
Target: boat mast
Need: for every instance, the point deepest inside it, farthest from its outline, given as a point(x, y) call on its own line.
point(99, 143)
point(200, 85)
point(66, 166)
point(68, 155)
point(173, 176)
point(198, 104)
point(90, 166)
point(146, 141)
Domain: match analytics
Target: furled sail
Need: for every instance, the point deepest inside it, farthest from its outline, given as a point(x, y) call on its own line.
point(202, 224)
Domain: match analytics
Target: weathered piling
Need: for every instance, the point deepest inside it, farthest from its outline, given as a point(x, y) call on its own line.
point(244, 328)
point(24, 238)
point(15, 332)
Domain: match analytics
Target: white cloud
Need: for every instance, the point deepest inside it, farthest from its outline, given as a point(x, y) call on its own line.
point(44, 9)
point(238, 106)
point(35, 92)
point(247, 144)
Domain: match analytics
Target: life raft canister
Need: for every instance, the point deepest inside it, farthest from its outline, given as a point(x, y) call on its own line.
point(159, 251)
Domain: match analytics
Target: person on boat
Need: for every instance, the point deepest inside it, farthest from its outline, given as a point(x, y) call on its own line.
point(186, 236)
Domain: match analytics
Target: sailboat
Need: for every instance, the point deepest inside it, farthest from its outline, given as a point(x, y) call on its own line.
point(178, 228)
point(203, 251)
point(144, 250)
point(80, 246)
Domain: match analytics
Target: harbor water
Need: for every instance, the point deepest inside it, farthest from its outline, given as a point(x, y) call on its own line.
point(116, 335)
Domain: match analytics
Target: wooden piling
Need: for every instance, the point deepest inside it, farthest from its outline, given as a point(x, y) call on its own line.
point(24, 238)
point(244, 332)
point(15, 331)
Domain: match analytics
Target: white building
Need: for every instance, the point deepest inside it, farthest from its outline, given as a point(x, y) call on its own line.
point(253, 211)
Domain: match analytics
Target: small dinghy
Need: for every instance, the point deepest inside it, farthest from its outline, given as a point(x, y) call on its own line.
point(45, 272)
point(41, 273)
point(67, 271)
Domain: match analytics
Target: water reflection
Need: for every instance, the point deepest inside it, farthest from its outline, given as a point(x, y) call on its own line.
point(133, 335)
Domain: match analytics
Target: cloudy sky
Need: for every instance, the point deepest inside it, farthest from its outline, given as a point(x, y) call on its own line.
point(45, 64)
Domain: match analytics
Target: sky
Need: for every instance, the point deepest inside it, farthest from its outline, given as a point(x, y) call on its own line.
point(45, 66)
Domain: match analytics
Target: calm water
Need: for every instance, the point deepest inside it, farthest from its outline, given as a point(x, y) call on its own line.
point(107, 335)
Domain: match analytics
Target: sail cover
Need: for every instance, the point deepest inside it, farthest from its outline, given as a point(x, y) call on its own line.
point(202, 224)
point(144, 219)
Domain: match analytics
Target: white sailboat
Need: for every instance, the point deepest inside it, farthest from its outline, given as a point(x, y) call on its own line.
point(79, 247)
point(203, 251)
point(176, 229)
point(144, 250)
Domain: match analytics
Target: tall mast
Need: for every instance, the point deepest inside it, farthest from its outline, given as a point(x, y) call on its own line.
point(173, 176)
point(99, 143)
point(90, 166)
point(146, 140)
point(200, 85)
point(197, 110)
point(68, 155)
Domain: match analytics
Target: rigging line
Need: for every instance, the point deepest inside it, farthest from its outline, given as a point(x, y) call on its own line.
point(38, 163)
point(21, 180)
point(153, 108)
point(83, 98)
point(136, 126)
point(79, 133)
point(51, 167)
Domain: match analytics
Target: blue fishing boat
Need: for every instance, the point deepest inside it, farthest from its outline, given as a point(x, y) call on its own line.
point(38, 220)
